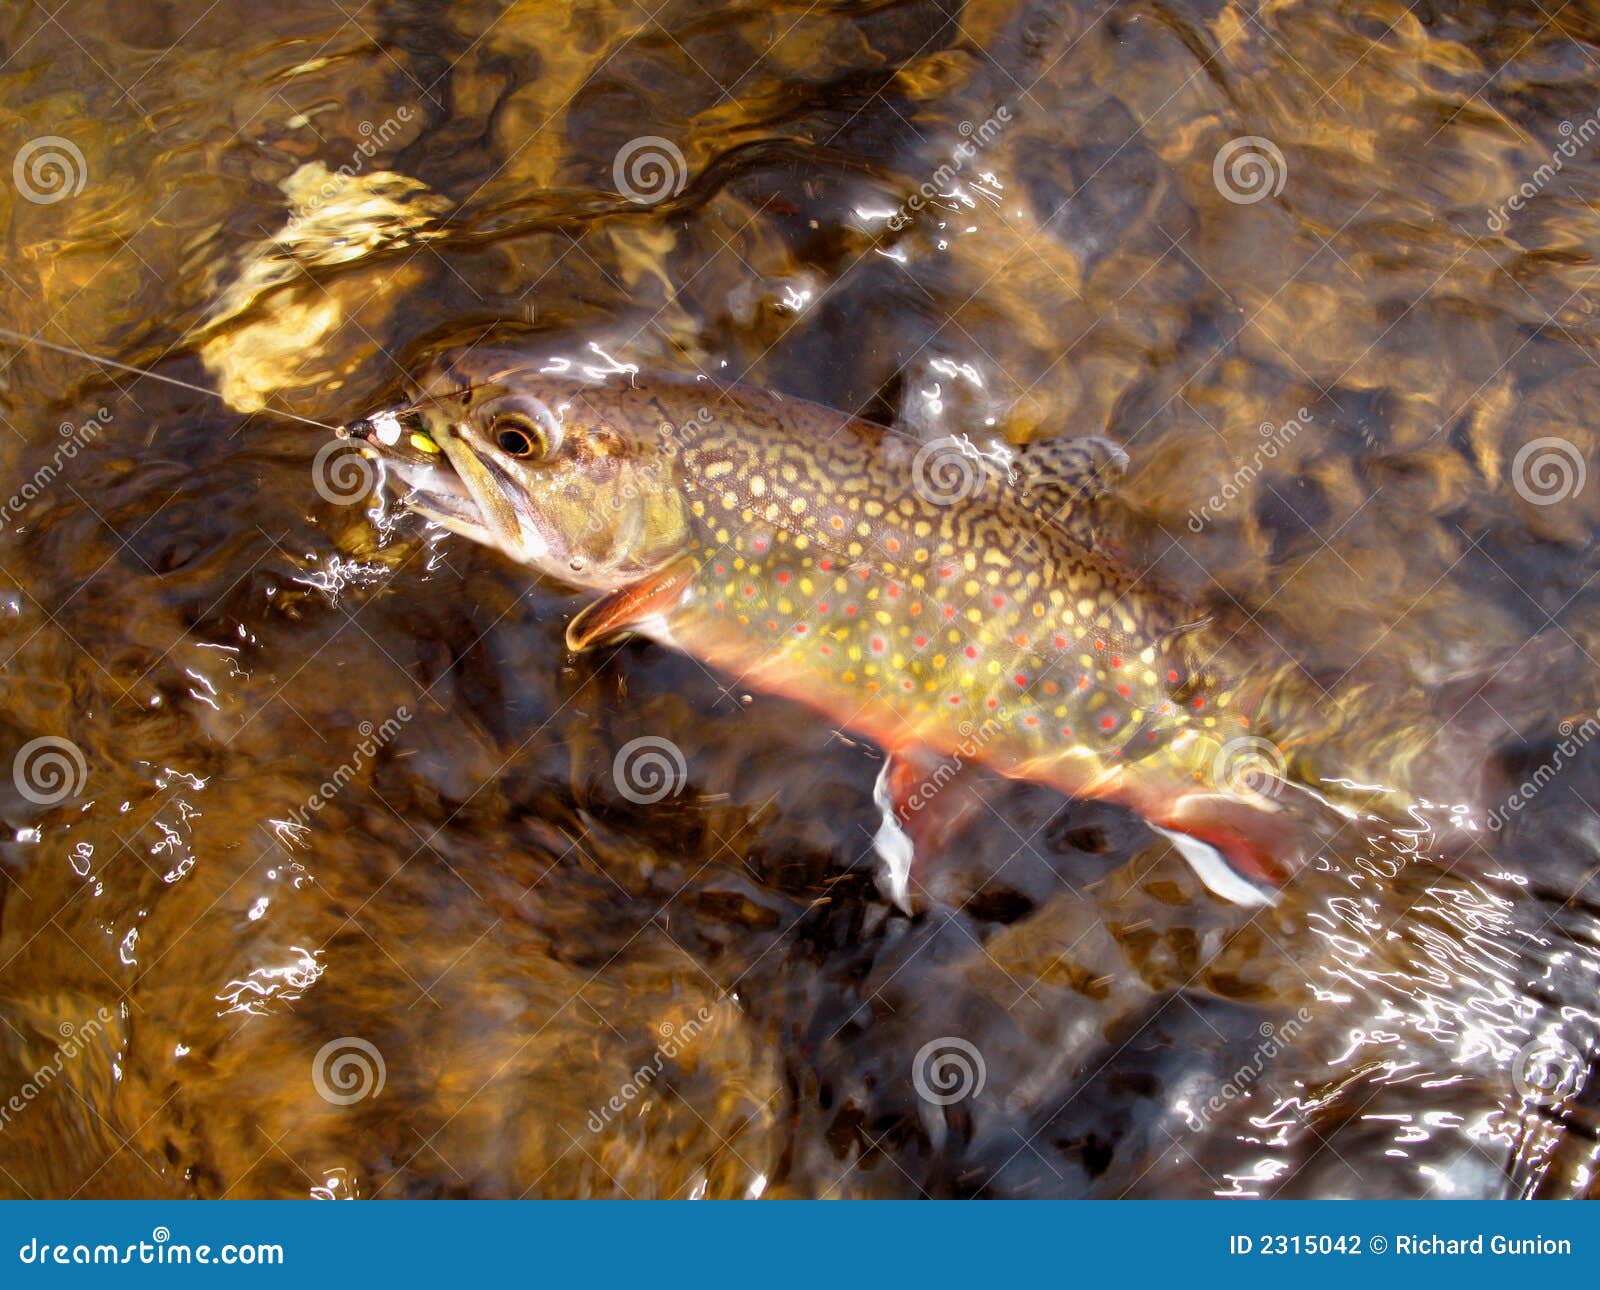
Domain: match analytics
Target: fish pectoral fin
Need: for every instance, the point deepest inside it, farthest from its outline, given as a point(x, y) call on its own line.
point(1057, 473)
point(623, 609)
point(1261, 843)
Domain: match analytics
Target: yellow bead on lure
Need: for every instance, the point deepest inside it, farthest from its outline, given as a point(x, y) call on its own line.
point(932, 599)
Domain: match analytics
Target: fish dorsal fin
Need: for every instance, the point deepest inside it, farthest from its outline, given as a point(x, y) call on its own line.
point(1054, 474)
point(623, 609)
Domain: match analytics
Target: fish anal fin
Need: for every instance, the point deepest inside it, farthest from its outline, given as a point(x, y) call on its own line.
point(621, 610)
point(925, 799)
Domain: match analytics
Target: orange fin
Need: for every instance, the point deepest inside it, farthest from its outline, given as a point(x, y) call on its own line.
point(626, 607)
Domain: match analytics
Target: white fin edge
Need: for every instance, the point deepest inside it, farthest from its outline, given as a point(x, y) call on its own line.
point(1217, 874)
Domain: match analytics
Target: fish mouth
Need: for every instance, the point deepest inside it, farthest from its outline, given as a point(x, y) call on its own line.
point(430, 485)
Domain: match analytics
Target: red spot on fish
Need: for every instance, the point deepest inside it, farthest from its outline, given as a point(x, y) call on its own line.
point(1100, 645)
point(949, 612)
point(994, 703)
point(1050, 687)
point(894, 591)
point(1061, 642)
point(947, 571)
point(760, 544)
point(1123, 690)
point(916, 609)
point(837, 521)
point(892, 545)
point(877, 645)
point(1083, 683)
point(1172, 675)
point(872, 686)
point(1030, 721)
point(800, 629)
point(1199, 702)
point(721, 604)
point(954, 699)
point(1107, 723)
point(722, 568)
point(1020, 679)
point(826, 649)
point(863, 573)
point(850, 611)
point(1066, 732)
point(823, 607)
point(972, 651)
point(1150, 735)
point(1116, 659)
point(905, 684)
point(1019, 639)
point(749, 589)
point(771, 626)
point(997, 601)
point(783, 577)
point(920, 641)
point(825, 564)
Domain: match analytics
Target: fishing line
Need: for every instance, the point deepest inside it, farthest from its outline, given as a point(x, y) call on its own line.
point(8, 334)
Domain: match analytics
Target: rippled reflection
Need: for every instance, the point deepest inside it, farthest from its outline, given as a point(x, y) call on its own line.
point(1324, 271)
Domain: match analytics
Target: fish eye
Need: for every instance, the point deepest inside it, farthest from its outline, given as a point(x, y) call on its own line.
point(516, 436)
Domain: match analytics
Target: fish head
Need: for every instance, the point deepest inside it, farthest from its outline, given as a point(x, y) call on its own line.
point(567, 476)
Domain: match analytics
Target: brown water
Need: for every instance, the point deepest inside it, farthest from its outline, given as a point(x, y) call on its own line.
point(206, 957)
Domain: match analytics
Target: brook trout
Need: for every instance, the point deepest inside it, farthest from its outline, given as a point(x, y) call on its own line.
point(915, 594)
